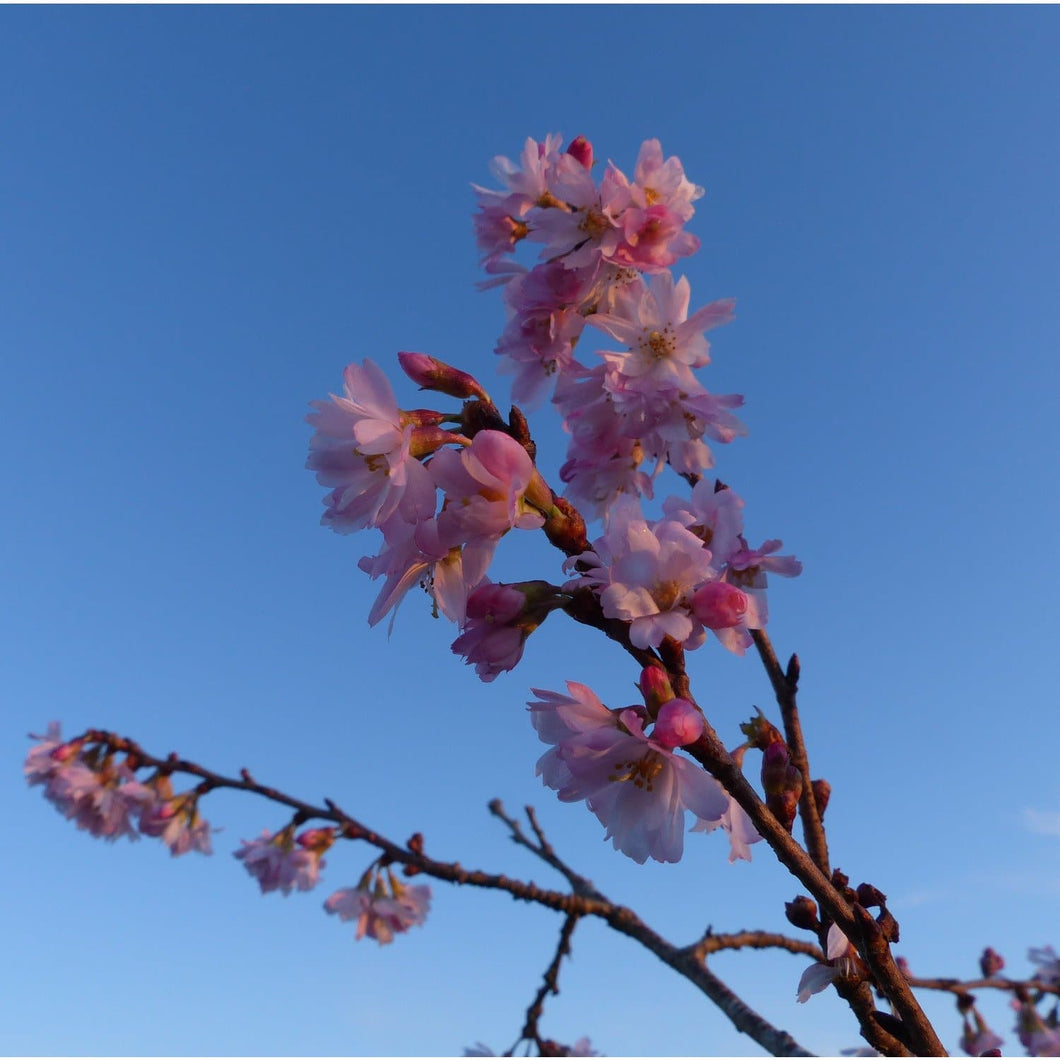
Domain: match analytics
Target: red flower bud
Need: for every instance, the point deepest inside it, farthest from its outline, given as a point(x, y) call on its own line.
point(582, 150)
point(431, 374)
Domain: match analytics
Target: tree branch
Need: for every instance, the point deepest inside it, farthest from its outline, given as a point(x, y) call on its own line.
point(784, 688)
point(585, 900)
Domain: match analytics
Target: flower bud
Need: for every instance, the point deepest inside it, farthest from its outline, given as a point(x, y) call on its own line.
point(565, 528)
point(428, 440)
point(870, 896)
point(719, 605)
point(888, 925)
point(679, 723)
point(822, 792)
point(782, 783)
point(760, 732)
point(580, 149)
point(655, 687)
point(316, 840)
point(431, 374)
point(991, 962)
point(802, 913)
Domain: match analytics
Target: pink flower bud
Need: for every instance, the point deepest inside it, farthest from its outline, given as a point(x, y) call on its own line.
point(495, 603)
point(580, 149)
point(655, 687)
point(719, 605)
point(431, 374)
point(679, 723)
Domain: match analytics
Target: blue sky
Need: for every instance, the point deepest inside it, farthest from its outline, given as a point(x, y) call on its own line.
point(210, 211)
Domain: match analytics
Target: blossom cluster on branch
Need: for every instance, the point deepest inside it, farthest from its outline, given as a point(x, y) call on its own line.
point(599, 324)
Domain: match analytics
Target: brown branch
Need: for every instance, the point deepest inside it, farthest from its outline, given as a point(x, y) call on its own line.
point(756, 940)
point(785, 686)
point(963, 986)
point(550, 983)
point(869, 941)
point(590, 902)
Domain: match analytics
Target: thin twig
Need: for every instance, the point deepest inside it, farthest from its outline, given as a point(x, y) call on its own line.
point(963, 986)
point(785, 686)
point(550, 981)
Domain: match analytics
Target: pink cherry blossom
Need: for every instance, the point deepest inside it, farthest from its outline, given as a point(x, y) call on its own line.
point(713, 514)
point(177, 823)
point(381, 916)
point(490, 641)
point(362, 451)
point(415, 554)
point(581, 230)
point(278, 864)
point(484, 488)
point(100, 797)
point(637, 787)
point(662, 342)
point(652, 239)
point(1048, 962)
point(980, 1039)
point(656, 181)
point(1036, 1036)
point(645, 575)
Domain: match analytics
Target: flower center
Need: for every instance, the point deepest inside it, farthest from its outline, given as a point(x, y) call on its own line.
point(658, 344)
point(594, 224)
point(641, 771)
point(665, 594)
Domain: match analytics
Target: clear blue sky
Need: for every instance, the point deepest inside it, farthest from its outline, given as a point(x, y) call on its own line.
point(209, 212)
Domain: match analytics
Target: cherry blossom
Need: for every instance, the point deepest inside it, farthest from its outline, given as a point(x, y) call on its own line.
point(279, 864)
point(1048, 964)
point(485, 486)
point(177, 823)
point(380, 915)
point(364, 450)
point(636, 786)
point(662, 342)
point(645, 575)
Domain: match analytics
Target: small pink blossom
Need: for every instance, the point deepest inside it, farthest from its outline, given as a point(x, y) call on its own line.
point(645, 575)
point(362, 451)
point(490, 640)
point(979, 1039)
point(278, 864)
point(662, 342)
point(381, 916)
point(1048, 964)
point(638, 789)
point(484, 485)
point(177, 823)
point(415, 554)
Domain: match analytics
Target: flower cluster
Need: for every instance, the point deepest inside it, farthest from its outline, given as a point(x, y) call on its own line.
point(684, 574)
point(607, 249)
point(85, 782)
point(386, 468)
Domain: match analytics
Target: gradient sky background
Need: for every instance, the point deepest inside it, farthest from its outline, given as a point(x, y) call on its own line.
point(209, 212)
